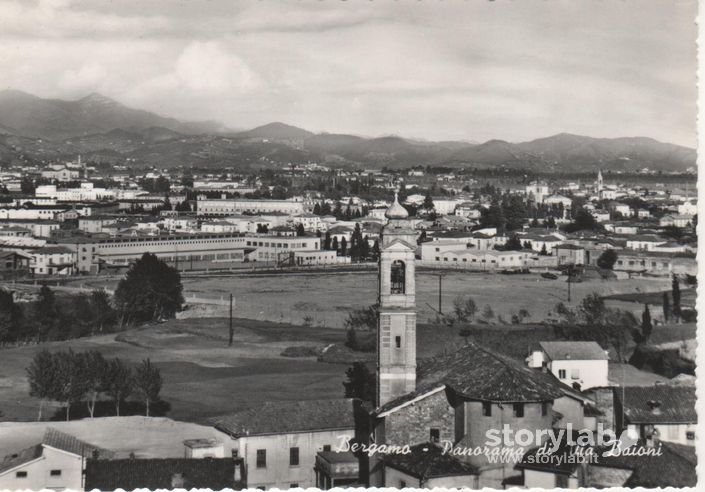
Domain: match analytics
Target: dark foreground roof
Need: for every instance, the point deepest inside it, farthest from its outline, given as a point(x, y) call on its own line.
point(130, 474)
point(66, 442)
point(426, 461)
point(674, 468)
point(477, 373)
point(286, 417)
point(676, 404)
point(57, 440)
point(25, 456)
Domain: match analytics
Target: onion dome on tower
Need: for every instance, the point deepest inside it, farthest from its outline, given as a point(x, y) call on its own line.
point(395, 210)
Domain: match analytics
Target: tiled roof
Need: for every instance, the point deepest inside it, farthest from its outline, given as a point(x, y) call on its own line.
point(426, 461)
point(70, 444)
point(25, 456)
point(130, 474)
point(421, 392)
point(675, 467)
point(285, 417)
point(477, 373)
point(676, 404)
point(574, 350)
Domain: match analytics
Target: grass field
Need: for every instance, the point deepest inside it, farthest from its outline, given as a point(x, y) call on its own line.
point(204, 377)
point(195, 361)
point(325, 299)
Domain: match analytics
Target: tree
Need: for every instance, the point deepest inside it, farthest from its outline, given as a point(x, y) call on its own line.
point(464, 308)
point(583, 220)
point(71, 383)
point(593, 310)
point(326, 241)
point(666, 307)
point(364, 318)
point(607, 259)
point(343, 246)
point(513, 243)
point(41, 374)
point(375, 249)
point(102, 311)
point(148, 383)
point(118, 382)
point(334, 244)
point(646, 326)
point(361, 382)
point(544, 251)
point(300, 231)
point(46, 313)
point(676, 296)
point(487, 312)
point(317, 209)
point(94, 367)
point(10, 317)
point(428, 204)
point(151, 290)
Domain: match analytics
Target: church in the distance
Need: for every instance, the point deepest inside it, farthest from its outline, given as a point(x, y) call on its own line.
point(443, 410)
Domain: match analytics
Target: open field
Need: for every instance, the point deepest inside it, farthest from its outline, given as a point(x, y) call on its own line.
point(325, 299)
point(195, 361)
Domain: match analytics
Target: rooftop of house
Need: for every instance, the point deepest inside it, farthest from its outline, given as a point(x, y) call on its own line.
point(427, 460)
point(659, 404)
point(573, 350)
point(300, 416)
point(57, 440)
point(160, 473)
point(675, 467)
point(53, 250)
point(477, 373)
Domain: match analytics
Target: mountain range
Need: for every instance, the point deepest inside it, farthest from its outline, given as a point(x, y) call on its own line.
point(102, 129)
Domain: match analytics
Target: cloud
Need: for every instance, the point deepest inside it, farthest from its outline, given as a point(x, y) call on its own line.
point(87, 78)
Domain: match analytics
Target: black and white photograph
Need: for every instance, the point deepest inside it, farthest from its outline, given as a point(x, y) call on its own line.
point(328, 244)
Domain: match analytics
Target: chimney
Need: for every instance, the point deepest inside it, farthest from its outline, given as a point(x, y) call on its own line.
point(655, 406)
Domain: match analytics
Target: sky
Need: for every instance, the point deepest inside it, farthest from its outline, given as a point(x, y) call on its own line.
point(440, 70)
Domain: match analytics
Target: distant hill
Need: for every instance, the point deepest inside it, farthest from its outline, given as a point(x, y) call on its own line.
point(55, 119)
point(97, 125)
point(276, 131)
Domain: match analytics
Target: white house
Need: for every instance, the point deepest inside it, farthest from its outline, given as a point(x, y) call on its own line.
point(581, 365)
point(279, 440)
point(661, 412)
point(57, 463)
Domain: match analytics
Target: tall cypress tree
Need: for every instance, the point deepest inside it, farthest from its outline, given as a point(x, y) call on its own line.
point(676, 295)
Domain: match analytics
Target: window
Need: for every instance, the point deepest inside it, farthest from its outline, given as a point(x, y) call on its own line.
point(435, 435)
point(397, 342)
point(55, 473)
point(293, 456)
point(690, 435)
point(261, 458)
point(326, 447)
point(21, 474)
point(398, 277)
point(561, 373)
point(402, 484)
point(518, 410)
point(486, 409)
point(293, 485)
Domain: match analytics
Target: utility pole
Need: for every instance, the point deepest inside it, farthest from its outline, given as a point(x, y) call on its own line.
point(440, 293)
point(230, 324)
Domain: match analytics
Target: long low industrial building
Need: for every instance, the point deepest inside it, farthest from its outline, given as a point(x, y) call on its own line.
point(200, 251)
point(222, 207)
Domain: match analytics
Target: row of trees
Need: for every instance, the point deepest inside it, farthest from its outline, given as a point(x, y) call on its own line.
point(151, 290)
point(53, 318)
point(70, 378)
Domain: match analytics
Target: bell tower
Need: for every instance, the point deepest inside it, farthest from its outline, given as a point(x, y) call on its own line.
point(396, 327)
